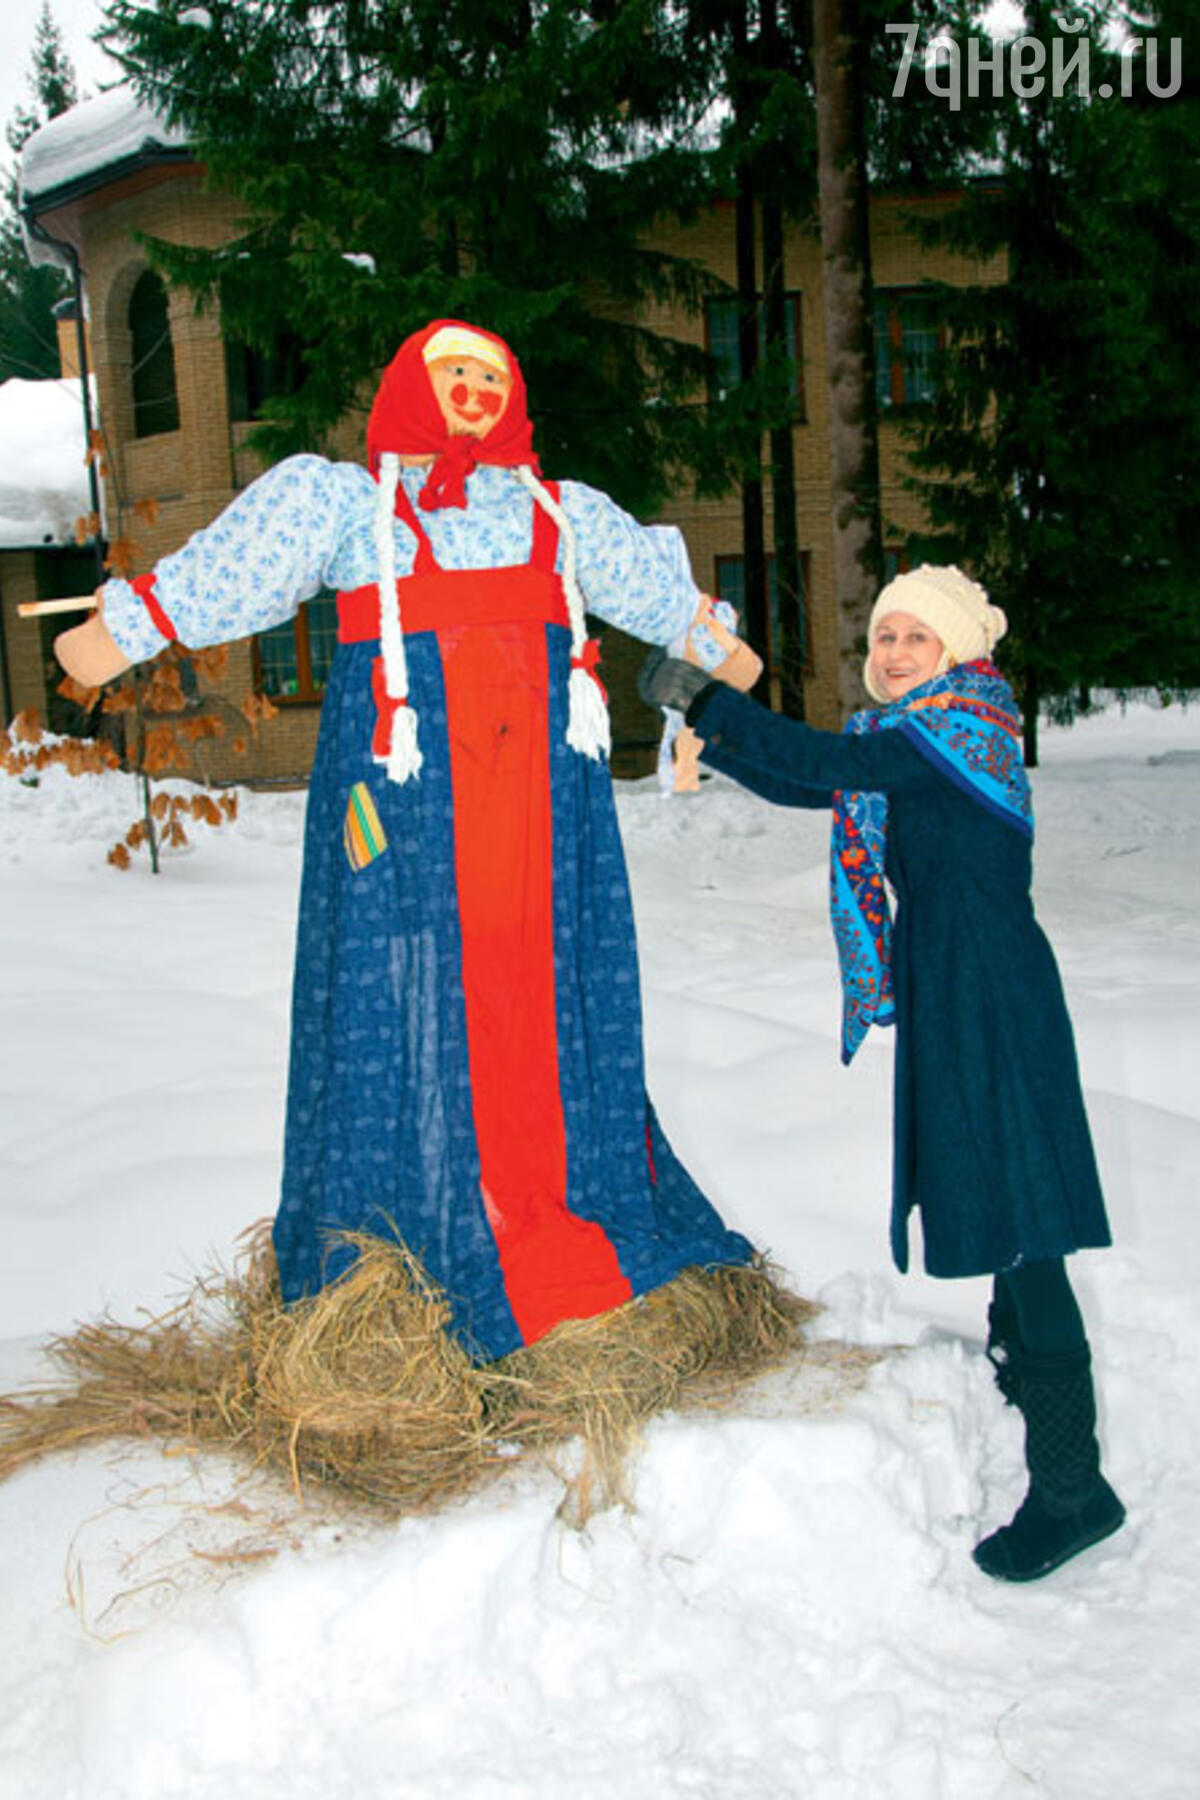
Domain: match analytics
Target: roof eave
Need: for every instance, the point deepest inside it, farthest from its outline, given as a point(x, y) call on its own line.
point(95, 179)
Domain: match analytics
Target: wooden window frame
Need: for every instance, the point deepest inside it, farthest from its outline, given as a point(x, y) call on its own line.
point(793, 299)
point(737, 560)
point(307, 693)
point(893, 298)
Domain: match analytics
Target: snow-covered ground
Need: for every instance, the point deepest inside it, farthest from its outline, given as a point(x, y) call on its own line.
point(791, 1609)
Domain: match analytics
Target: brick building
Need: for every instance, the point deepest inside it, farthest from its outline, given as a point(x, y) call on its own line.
point(175, 401)
point(43, 491)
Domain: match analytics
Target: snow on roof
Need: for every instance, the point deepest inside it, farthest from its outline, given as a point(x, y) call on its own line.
point(43, 477)
point(91, 138)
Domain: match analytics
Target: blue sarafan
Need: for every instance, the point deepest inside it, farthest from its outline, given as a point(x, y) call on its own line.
point(467, 1070)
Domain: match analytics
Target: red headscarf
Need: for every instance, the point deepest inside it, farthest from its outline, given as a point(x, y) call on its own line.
point(406, 418)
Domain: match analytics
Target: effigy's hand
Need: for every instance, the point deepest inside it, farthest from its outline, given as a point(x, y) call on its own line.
point(89, 653)
point(669, 681)
point(740, 666)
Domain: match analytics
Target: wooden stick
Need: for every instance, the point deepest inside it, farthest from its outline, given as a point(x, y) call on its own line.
point(34, 609)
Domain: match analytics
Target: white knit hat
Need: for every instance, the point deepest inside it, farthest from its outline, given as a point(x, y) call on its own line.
point(955, 608)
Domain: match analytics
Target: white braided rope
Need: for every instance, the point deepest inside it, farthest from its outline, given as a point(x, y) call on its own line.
point(588, 728)
point(404, 758)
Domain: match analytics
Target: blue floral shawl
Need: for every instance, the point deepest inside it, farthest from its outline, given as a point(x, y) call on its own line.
point(966, 723)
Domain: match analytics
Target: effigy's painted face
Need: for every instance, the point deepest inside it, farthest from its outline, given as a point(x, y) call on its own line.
point(904, 654)
point(471, 394)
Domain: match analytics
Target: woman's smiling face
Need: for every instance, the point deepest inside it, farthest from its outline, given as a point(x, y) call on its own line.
point(471, 394)
point(904, 654)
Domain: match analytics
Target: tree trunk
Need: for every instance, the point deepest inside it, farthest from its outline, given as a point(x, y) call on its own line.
point(849, 335)
point(1030, 704)
point(754, 554)
point(789, 587)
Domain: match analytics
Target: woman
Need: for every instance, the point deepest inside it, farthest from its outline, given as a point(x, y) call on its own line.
point(991, 1142)
point(466, 1066)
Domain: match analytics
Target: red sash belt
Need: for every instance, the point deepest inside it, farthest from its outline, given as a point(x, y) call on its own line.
point(456, 597)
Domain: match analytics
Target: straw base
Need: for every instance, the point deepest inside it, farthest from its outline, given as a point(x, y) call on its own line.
point(364, 1388)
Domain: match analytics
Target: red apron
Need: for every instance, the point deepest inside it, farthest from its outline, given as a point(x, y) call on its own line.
point(491, 633)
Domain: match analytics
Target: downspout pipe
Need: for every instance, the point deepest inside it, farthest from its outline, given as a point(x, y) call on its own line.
point(6, 707)
point(68, 256)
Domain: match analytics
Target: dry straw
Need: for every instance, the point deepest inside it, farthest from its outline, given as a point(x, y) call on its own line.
point(364, 1388)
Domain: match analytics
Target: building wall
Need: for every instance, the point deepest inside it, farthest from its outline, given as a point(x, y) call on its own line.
point(713, 527)
point(192, 473)
point(29, 676)
point(24, 661)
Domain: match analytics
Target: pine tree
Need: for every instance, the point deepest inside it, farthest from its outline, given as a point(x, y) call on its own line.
point(757, 55)
point(403, 159)
point(52, 78)
point(765, 56)
point(782, 178)
point(28, 295)
point(1053, 459)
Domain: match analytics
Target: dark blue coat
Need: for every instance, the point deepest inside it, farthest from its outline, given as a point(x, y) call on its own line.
point(991, 1139)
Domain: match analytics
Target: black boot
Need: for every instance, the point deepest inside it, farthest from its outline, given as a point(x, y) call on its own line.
point(1069, 1505)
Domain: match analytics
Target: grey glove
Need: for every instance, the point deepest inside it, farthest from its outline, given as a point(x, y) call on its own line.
point(669, 681)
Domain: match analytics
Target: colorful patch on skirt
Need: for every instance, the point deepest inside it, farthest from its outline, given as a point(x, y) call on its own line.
point(363, 833)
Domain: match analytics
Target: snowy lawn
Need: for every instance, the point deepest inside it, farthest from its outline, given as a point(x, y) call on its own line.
point(791, 1608)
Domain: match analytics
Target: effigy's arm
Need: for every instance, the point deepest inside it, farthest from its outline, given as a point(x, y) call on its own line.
point(251, 568)
point(740, 666)
point(639, 577)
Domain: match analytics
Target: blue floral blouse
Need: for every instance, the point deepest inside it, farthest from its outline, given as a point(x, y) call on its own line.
point(306, 525)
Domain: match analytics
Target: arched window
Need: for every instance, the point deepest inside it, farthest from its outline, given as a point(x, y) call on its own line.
point(155, 399)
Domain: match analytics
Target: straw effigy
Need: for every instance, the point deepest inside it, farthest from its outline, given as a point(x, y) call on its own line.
point(364, 1389)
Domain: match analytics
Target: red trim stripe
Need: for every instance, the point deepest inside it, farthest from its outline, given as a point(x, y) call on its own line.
point(143, 587)
point(555, 1264)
